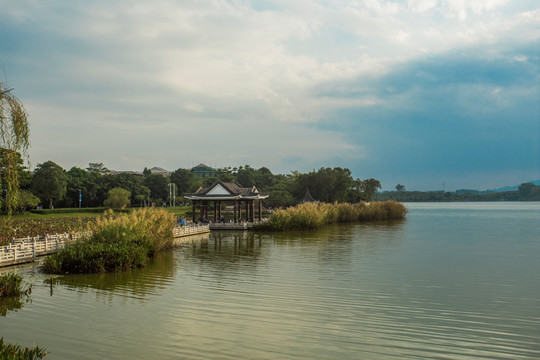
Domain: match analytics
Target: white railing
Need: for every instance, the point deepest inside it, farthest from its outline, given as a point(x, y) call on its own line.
point(180, 231)
point(26, 249)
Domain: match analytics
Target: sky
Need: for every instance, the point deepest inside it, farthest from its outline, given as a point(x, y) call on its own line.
point(430, 94)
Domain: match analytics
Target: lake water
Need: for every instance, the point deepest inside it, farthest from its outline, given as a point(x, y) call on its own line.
point(452, 281)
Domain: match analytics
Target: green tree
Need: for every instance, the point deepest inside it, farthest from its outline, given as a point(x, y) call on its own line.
point(97, 168)
point(370, 188)
point(245, 176)
point(184, 180)
point(117, 198)
point(14, 136)
point(158, 185)
point(278, 198)
point(26, 201)
point(226, 174)
point(49, 182)
point(264, 179)
point(400, 187)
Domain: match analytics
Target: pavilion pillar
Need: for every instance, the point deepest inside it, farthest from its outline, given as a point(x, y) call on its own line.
point(239, 210)
point(247, 210)
point(260, 210)
point(252, 210)
point(201, 209)
point(234, 209)
point(215, 210)
point(194, 209)
point(219, 209)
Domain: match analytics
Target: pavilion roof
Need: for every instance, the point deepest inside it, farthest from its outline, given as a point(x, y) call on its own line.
point(226, 190)
point(307, 197)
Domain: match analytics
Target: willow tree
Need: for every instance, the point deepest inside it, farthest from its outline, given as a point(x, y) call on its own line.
point(14, 137)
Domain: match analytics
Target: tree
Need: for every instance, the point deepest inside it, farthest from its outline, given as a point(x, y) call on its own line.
point(49, 182)
point(158, 185)
point(117, 198)
point(264, 179)
point(26, 201)
point(97, 168)
point(245, 176)
point(370, 188)
point(183, 179)
point(14, 136)
point(400, 187)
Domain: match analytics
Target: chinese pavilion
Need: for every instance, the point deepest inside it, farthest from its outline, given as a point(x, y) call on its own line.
point(228, 192)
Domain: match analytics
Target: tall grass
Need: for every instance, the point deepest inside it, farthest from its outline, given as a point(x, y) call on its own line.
point(16, 352)
point(116, 243)
point(309, 216)
point(10, 285)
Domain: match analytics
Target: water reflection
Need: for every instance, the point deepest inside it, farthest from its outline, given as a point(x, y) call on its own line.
point(136, 283)
point(13, 303)
point(226, 252)
point(337, 243)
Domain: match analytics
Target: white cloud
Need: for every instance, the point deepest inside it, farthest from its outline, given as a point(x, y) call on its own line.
point(226, 71)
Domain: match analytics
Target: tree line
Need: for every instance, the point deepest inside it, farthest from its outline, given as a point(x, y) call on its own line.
point(525, 192)
point(52, 186)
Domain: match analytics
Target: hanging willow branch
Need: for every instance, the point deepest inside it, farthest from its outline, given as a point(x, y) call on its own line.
point(14, 140)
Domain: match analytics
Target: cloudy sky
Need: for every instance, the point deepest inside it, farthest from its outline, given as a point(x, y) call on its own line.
point(416, 92)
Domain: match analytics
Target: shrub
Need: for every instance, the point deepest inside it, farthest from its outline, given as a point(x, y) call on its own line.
point(116, 243)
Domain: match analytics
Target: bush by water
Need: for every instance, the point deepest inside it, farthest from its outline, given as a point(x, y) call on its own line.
point(116, 243)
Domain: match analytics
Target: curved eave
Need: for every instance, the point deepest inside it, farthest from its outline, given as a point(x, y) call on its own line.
point(238, 197)
point(258, 197)
point(191, 197)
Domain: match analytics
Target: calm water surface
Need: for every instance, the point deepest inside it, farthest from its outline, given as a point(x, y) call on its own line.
point(452, 281)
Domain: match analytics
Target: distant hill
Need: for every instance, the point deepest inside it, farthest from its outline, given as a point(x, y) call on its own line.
point(513, 188)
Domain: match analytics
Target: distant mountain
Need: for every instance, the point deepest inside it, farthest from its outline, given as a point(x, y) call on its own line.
point(513, 188)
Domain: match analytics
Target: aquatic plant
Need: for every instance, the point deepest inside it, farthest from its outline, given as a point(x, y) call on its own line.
point(10, 285)
point(116, 243)
point(16, 352)
point(11, 293)
point(309, 216)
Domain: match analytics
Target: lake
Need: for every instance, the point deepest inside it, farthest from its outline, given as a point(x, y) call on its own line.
point(451, 281)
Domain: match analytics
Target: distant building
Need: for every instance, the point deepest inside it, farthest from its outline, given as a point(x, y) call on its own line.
point(159, 171)
point(307, 197)
point(203, 170)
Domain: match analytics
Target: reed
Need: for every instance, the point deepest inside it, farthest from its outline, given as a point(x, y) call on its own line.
point(116, 243)
point(309, 216)
point(16, 352)
point(10, 285)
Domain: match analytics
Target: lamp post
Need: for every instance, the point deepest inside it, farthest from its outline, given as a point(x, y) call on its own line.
point(172, 194)
point(80, 198)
